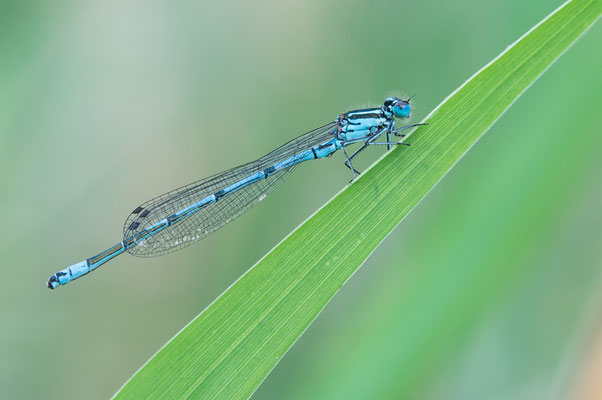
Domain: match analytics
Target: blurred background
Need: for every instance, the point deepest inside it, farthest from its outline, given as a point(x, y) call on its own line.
point(106, 104)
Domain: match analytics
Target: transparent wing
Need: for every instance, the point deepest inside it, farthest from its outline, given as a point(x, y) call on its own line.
point(212, 217)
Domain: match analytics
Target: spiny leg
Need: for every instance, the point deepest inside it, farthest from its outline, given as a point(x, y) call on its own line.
point(364, 147)
point(388, 139)
point(402, 128)
point(390, 143)
point(370, 141)
point(348, 165)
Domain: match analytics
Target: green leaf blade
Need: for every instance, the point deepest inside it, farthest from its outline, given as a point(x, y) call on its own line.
point(230, 348)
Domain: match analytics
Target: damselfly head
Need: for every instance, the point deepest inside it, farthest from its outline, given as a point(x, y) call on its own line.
point(400, 108)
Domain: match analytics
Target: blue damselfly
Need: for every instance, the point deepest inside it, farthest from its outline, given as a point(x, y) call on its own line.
point(178, 218)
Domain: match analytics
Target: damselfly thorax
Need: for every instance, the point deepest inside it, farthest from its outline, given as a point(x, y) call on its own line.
point(359, 125)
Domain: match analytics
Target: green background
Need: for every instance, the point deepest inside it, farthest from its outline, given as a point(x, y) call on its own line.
point(106, 104)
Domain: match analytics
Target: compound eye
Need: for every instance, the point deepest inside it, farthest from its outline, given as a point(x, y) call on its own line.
point(402, 110)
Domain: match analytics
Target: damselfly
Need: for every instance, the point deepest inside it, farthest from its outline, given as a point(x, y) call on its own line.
point(178, 218)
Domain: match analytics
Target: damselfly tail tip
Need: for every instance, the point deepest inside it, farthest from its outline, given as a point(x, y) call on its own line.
point(52, 282)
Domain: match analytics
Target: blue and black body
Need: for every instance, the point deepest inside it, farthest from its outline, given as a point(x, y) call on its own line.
point(185, 215)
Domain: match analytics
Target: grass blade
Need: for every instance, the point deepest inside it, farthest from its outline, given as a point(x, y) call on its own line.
point(229, 349)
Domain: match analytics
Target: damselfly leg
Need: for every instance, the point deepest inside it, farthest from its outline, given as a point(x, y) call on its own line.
point(371, 141)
